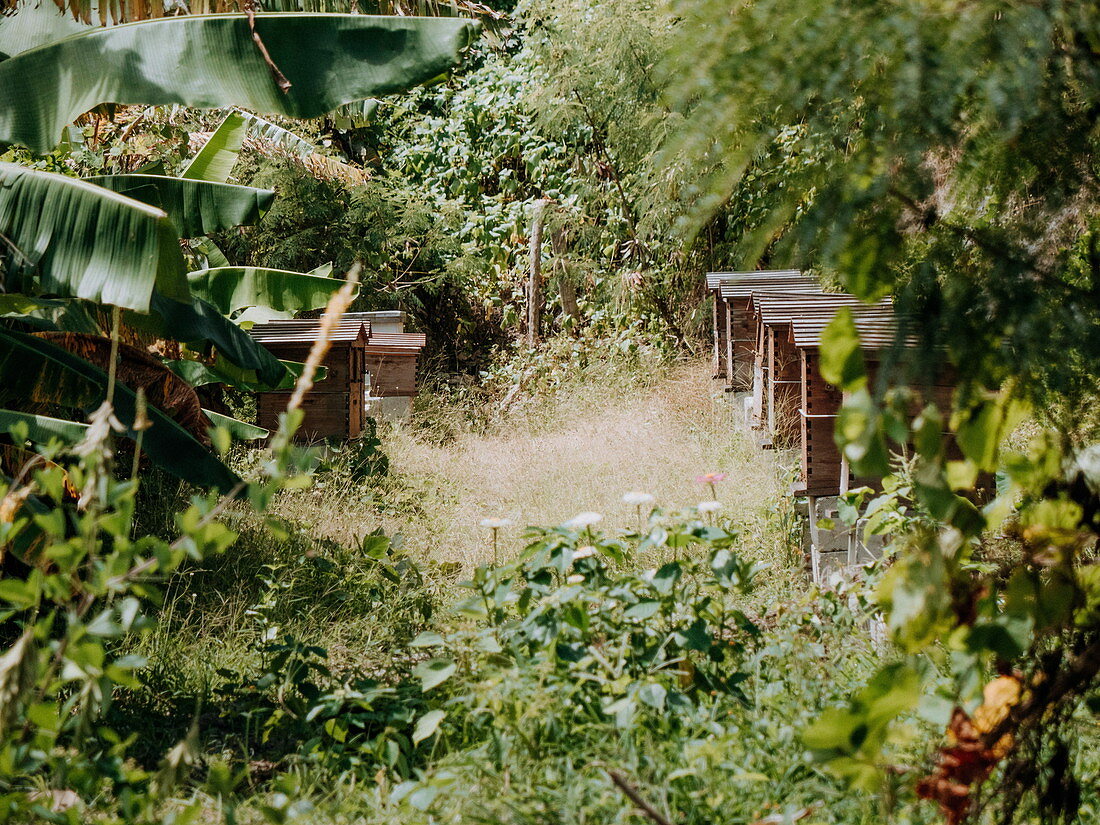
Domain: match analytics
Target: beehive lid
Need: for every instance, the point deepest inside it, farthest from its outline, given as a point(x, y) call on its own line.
point(783, 307)
point(389, 321)
point(306, 331)
point(877, 327)
point(769, 281)
point(716, 279)
point(398, 343)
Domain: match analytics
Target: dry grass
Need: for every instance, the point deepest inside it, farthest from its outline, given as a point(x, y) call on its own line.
point(581, 451)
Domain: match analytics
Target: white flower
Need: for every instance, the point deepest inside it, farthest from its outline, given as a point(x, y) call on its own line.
point(584, 552)
point(583, 520)
point(576, 578)
point(708, 506)
point(496, 523)
point(638, 499)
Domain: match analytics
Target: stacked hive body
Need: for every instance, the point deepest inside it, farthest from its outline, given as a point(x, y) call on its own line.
point(392, 356)
point(334, 408)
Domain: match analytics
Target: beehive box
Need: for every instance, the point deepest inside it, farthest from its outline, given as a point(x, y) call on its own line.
point(335, 407)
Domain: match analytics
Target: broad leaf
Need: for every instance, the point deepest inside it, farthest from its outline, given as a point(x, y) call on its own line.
point(211, 61)
point(198, 323)
point(34, 24)
point(195, 207)
point(234, 288)
point(68, 237)
point(240, 430)
point(33, 371)
point(139, 370)
point(198, 374)
point(215, 160)
point(41, 428)
point(841, 353)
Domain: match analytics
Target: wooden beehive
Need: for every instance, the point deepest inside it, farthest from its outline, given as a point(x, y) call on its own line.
point(391, 359)
point(735, 332)
point(335, 407)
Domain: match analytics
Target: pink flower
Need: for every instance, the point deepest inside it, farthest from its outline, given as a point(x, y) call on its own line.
point(710, 478)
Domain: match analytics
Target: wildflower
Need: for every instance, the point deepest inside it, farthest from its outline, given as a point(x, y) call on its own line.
point(708, 506)
point(710, 478)
point(582, 521)
point(584, 552)
point(495, 523)
point(638, 499)
point(576, 578)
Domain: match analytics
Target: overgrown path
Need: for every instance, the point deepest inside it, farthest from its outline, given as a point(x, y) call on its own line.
point(580, 450)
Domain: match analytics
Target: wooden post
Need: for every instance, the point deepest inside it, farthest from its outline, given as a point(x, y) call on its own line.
point(534, 287)
point(729, 341)
point(771, 383)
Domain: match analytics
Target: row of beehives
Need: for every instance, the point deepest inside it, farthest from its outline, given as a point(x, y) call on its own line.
point(370, 372)
point(767, 336)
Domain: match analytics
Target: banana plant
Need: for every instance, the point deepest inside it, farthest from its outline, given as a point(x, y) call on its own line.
point(195, 207)
point(40, 372)
point(71, 238)
point(235, 288)
point(210, 62)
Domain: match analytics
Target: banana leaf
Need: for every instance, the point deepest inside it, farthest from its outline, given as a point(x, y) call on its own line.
point(239, 430)
point(198, 323)
point(236, 287)
point(33, 371)
point(33, 24)
point(195, 207)
point(68, 237)
point(216, 159)
point(41, 428)
point(211, 61)
point(209, 250)
point(198, 374)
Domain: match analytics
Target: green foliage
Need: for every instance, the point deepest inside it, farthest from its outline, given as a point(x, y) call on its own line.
point(320, 57)
point(101, 247)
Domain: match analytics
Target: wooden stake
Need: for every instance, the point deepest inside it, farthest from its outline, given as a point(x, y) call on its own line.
point(534, 287)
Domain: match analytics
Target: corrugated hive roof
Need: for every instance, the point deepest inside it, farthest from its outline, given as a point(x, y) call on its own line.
point(715, 279)
point(306, 331)
point(772, 282)
point(782, 307)
point(877, 327)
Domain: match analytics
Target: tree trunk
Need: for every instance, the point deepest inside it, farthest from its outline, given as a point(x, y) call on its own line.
point(534, 286)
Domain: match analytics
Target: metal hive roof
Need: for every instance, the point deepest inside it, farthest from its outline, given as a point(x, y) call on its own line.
point(305, 331)
point(773, 283)
point(716, 279)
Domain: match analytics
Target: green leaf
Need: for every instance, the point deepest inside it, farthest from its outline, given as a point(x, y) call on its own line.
point(198, 374)
point(68, 237)
point(42, 429)
point(216, 159)
point(427, 725)
point(195, 207)
point(434, 672)
point(209, 250)
point(240, 430)
point(33, 24)
point(210, 61)
point(980, 429)
point(841, 354)
point(234, 288)
point(36, 371)
point(198, 323)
